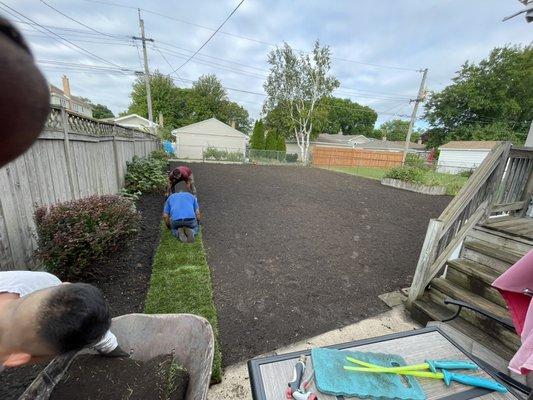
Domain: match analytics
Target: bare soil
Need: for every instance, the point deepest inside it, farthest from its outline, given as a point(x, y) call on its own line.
point(96, 377)
point(124, 280)
point(296, 251)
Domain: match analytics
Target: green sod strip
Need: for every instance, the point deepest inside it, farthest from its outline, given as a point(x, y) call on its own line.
point(181, 283)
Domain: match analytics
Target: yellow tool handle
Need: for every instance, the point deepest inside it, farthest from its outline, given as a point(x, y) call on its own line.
point(416, 367)
point(419, 374)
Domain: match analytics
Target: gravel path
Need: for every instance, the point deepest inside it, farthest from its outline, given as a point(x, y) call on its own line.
point(299, 251)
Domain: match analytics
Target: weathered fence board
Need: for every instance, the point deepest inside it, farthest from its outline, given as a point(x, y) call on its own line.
point(334, 156)
point(98, 153)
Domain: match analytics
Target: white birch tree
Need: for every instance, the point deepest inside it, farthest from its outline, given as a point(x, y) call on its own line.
point(296, 83)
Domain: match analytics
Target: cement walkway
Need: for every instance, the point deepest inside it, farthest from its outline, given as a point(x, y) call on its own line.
point(236, 385)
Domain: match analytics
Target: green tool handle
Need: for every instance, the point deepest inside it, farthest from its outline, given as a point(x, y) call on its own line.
point(419, 374)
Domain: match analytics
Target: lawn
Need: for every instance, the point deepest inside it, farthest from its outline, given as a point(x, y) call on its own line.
point(452, 183)
point(365, 172)
point(181, 283)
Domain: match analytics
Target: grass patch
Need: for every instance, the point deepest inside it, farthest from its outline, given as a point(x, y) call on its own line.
point(365, 172)
point(181, 283)
point(426, 176)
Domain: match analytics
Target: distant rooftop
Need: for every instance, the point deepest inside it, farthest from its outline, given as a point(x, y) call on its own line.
point(470, 144)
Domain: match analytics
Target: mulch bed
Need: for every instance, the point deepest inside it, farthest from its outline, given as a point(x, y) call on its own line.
point(124, 284)
point(96, 377)
point(296, 251)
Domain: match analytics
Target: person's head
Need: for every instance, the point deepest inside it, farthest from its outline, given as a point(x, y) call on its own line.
point(24, 98)
point(175, 174)
point(181, 186)
point(52, 321)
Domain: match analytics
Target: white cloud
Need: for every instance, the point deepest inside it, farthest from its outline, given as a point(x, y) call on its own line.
point(437, 34)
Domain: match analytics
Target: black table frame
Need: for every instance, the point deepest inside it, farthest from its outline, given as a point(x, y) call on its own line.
point(258, 390)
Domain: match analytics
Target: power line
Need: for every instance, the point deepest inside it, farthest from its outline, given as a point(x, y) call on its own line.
point(59, 36)
point(270, 44)
point(210, 37)
point(72, 19)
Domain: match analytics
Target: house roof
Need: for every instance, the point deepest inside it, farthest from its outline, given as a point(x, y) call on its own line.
point(124, 119)
point(56, 90)
point(470, 145)
point(378, 144)
point(341, 138)
point(211, 126)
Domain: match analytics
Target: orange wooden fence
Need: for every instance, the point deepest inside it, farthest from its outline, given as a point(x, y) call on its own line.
point(338, 157)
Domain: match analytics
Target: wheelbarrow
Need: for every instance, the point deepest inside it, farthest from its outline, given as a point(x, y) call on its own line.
point(188, 337)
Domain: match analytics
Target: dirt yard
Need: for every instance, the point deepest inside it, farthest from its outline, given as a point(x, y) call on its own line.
point(299, 251)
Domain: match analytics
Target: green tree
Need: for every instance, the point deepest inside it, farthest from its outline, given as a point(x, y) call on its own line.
point(280, 143)
point(343, 115)
point(257, 140)
point(395, 129)
point(271, 141)
point(295, 85)
point(183, 106)
point(493, 98)
point(232, 112)
point(100, 111)
point(163, 98)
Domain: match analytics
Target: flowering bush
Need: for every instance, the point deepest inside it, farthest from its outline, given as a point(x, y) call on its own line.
point(75, 236)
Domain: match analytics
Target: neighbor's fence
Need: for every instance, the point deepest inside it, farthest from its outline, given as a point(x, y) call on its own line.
point(74, 156)
point(338, 157)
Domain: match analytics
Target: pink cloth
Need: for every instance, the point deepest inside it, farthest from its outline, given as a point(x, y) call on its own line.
point(511, 285)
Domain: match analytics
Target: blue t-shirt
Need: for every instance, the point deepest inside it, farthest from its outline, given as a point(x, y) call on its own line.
point(181, 205)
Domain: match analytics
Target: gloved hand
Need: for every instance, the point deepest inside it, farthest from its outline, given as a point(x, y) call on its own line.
point(117, 352)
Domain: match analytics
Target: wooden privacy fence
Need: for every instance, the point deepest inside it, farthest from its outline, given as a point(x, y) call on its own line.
point(74, 156)
point(337, 157)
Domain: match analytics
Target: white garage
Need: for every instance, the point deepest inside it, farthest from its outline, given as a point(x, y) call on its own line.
point(457, 156)
point(193, 140)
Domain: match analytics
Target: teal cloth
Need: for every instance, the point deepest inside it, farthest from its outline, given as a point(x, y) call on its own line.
point(331, 378)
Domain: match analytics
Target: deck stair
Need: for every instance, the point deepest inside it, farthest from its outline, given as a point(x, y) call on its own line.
point(484, 230)
point(486, 253)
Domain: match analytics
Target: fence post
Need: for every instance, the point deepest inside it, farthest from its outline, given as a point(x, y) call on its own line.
point(68, 158)
point(117, 162)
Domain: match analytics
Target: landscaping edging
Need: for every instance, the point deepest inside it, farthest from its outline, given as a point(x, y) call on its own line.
point(414, 187)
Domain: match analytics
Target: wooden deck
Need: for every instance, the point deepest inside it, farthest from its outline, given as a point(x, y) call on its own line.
point(518, 227)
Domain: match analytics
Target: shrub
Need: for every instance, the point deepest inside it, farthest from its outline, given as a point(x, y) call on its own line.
point(413, 160)
point(159, 154)
point(291, 158)
point(212, 153)
point(235, 156)
point(409, 174)
point(146, 175)
point(73, 237)
point(466, 173)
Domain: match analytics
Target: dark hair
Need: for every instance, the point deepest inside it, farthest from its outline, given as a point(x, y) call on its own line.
point(175, 174)
point(73, 317)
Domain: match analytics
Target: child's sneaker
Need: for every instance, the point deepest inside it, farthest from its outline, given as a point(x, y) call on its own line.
point(190, 235)
point(182, 235)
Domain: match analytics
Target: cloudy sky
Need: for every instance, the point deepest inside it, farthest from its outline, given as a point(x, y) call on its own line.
point(377, 46)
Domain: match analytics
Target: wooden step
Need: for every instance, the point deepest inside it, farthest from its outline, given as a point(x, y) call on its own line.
point(476, 278)
point(441, 289)
point(495, 256)
point(424, 310)
point(510, 242)
point(519, 227)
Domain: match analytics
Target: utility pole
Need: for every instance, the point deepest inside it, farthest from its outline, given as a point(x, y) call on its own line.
point(418, 100)
point(146, 70)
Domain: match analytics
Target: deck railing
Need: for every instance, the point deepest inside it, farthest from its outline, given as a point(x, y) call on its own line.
point(503, 183)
